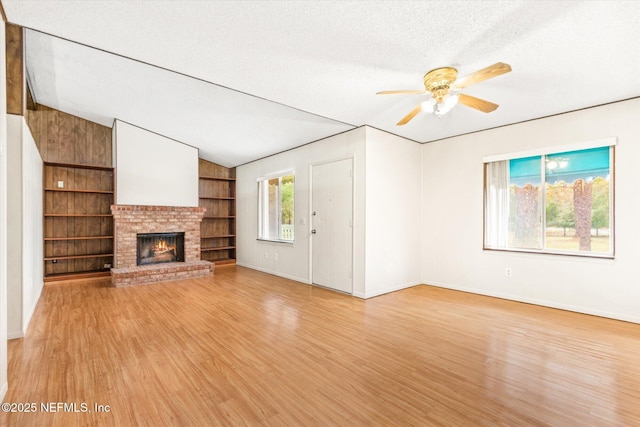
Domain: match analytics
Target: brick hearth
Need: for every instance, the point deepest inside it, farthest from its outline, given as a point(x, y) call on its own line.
point(129, 220)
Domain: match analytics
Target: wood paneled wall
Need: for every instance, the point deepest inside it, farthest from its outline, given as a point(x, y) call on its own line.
point(207, 168)
point(16, 92)
point(64, 138)
point(3, 15)
point(78, 227)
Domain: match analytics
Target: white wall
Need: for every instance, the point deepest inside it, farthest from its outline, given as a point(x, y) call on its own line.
point(153, 170)
point(387, 187)
point(3, 214)
point(32, 231)
point(294, 259)
point(393, 213)
point(14, 231)
point(453, 214)
point(25, 275)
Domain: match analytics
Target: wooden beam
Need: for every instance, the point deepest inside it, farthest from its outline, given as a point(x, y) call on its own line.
point(2, 12)
point(16, 92)
point(31, 103)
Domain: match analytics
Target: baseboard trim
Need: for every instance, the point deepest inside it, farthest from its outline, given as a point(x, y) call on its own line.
point(27, 319)
point(275, 273)
point(542, 303)
point(15, 335)
point(3, 391)
point(307, 282)
point(393, 289)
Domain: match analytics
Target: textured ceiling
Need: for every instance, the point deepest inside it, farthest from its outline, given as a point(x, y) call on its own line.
point(227, 126)
point(241, 80)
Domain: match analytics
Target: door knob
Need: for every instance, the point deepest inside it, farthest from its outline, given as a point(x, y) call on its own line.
point(313, 231)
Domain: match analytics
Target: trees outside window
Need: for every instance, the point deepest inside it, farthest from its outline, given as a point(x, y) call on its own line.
point(276, 208)
point(552, 203)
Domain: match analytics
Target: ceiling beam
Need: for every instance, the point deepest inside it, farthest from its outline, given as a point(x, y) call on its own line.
point(16, 87)
point(2, 12)
point(31, 103)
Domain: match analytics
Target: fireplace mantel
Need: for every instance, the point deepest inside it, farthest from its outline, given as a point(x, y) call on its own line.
point(129, 220)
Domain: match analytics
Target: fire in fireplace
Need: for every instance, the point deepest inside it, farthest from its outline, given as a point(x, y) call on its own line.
point(155, 248)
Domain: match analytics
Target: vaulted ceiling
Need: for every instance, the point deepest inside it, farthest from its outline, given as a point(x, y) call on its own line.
point(243, 80)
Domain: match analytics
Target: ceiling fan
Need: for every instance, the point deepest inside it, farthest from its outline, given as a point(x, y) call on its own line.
point(443, 86)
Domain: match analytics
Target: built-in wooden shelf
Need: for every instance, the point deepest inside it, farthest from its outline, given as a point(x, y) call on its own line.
point(217, 178)
point(52, 239)
point(219, 248)
point(73, 190)
point(217, 193)
point(78, 166)
point(73, 276)
point(217, 198)
point(224, 261)
point(63, 257)
point(78, 215)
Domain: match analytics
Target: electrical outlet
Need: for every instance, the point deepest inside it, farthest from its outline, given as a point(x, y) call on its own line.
point(275, 256)
point(508, 272)
point(60, 184)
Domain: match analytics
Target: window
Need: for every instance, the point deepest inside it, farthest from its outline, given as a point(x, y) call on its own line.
point(275, 201)
point(559, 202)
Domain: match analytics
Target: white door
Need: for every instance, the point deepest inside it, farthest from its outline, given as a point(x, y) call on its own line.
point(332, 225)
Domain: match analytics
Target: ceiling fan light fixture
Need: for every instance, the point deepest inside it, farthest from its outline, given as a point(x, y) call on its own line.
point(443, 87)
point(428, 105)
point(448, 102)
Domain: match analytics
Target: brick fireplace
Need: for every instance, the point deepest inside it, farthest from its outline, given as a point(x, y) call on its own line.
point(132, 220)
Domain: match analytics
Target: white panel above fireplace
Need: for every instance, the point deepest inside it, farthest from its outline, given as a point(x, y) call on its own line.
point(153, 170)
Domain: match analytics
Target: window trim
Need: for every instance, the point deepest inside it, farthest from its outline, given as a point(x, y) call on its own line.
point(267, 177)
point(605, 142)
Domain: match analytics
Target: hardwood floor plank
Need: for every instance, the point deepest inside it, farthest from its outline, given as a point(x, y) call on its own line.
point(246, 348)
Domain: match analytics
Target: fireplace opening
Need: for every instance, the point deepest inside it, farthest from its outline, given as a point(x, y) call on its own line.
point(155, 248)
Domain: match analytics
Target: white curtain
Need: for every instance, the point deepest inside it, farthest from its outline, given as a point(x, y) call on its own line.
point(496, 205)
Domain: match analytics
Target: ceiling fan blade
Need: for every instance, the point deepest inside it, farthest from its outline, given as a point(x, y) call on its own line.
point(490, 72)
point(397, 92)
point(409, 116)
point(477, 103)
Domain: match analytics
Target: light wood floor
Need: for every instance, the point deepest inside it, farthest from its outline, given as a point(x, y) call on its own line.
point(247, 348)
